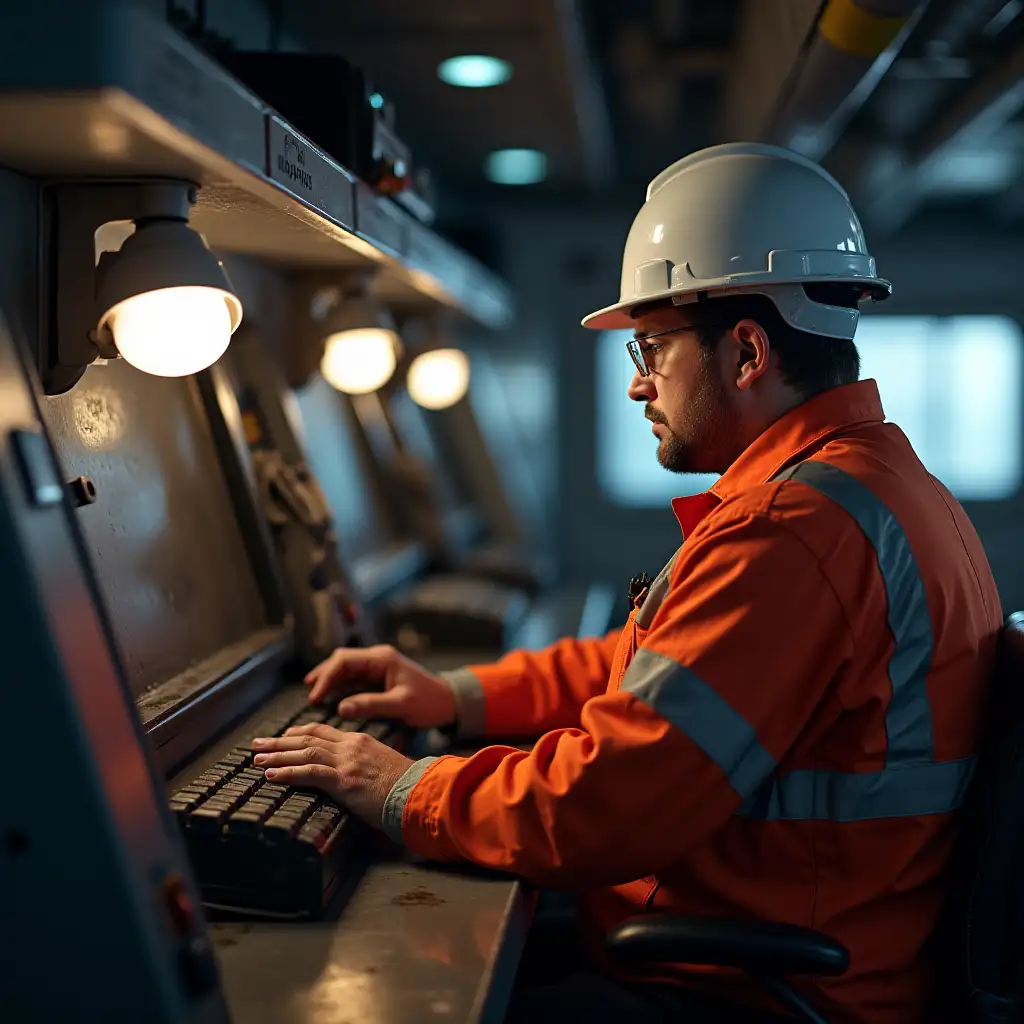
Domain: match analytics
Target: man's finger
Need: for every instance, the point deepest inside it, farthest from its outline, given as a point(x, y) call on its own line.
point(289, 741)
point(308, 776)
point(302, 755)
point(373, 705)
point(319, 730)
point(349, 667)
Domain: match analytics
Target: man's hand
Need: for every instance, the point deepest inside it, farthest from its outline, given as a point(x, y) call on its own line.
point(353, 769)
point(411, 694)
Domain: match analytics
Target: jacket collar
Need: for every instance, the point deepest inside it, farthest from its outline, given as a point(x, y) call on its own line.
point(793, 436)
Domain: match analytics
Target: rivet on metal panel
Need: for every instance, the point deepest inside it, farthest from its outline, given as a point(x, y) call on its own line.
point(83, 491)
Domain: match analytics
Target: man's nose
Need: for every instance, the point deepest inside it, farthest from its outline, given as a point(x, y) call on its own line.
point(642, 389)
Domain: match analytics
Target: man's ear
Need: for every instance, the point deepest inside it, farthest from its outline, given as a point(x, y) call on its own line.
point(753, 350)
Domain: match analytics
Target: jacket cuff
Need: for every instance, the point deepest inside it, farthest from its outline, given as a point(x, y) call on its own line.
point(469, 702)
point(394, 806)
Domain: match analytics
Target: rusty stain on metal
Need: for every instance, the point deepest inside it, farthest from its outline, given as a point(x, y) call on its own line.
point(418, 897)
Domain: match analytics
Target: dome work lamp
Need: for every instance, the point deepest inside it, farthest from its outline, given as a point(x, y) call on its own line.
point(437, 375)
point(162, 301)
point(345, 333)
point(439, 378)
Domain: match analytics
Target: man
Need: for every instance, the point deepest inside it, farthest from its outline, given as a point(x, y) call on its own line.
point(784, 729)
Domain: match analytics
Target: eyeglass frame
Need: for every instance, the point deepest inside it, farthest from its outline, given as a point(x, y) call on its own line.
point(636, 351)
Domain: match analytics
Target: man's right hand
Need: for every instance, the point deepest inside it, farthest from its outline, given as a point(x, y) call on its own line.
point(411, 694)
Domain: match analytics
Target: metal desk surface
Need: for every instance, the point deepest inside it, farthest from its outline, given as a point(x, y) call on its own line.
point(413, 942)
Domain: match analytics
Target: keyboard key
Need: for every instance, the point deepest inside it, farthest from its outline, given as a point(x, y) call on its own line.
point(180, 810)
point(329, 815)
point(244, 823)
point(271, 798)
point(206, 819)
point(216, 807)
point(279, 830)
point(300, 800)
point(294, 814)
point(312, 837)
point(261, 807)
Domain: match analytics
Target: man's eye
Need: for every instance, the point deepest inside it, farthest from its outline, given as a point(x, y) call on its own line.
point(653, 348)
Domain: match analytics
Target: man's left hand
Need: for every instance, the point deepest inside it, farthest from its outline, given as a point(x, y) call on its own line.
point(352, 768)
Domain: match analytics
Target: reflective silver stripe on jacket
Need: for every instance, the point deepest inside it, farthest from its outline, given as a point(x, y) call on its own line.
point(656, 594)
point(908, 720)
point(685, 700)
point(912, 782)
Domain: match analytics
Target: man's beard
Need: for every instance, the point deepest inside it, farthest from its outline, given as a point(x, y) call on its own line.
point(694, 446)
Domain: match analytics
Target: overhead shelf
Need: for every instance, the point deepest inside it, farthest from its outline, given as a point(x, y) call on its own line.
point(117, 93)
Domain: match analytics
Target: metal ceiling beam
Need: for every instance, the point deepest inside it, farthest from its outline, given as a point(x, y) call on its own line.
point(981, 110)
point(957, 22)
point(567, 43)
point(983, 107)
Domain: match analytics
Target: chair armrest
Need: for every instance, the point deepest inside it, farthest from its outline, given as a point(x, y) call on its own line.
point(757, 947)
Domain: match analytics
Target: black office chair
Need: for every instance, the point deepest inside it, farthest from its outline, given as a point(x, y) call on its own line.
point(979, 945)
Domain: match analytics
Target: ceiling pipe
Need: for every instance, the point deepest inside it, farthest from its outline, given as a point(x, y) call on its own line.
point(982, 109)
point(966, 123)
point(593, 122)
point(959, 22)
point(851, 47)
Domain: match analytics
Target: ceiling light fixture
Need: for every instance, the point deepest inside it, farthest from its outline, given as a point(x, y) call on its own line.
point(516, 166)
point(474, 71)
point(161, 301)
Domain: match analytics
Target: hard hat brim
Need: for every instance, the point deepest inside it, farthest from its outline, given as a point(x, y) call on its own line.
point(619, 316)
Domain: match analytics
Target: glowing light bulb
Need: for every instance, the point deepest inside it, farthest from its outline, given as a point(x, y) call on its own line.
point(359, 361)
point(438, 379)
point(172, 332)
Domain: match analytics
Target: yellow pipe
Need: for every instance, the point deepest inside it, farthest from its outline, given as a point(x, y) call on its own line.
point(853, 30)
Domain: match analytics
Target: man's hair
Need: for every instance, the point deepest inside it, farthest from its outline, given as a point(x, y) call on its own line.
point(808, 362)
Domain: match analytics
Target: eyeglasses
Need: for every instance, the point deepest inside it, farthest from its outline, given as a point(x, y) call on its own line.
point(644, 354)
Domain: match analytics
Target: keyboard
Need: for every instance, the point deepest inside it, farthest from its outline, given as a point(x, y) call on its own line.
point(264, 849)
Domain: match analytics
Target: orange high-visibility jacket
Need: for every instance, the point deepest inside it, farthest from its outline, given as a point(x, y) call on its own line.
point(782, 730)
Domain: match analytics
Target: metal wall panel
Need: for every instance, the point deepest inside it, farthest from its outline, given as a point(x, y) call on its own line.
point(163, 534)
point(343, 471)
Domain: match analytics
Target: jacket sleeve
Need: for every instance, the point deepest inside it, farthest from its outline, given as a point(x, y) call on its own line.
point(527, 693)
point(737, 658)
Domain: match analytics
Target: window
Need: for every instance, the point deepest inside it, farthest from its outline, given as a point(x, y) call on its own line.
point(953, 384)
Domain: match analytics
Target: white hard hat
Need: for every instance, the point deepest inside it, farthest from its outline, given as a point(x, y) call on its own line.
point(746, 218)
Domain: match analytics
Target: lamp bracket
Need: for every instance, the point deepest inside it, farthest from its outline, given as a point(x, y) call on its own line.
point(73, 211)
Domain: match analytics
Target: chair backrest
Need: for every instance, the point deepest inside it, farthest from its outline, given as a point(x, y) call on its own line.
point(982, 937)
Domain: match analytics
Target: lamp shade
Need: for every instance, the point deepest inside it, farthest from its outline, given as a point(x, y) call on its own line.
point(166, 300)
